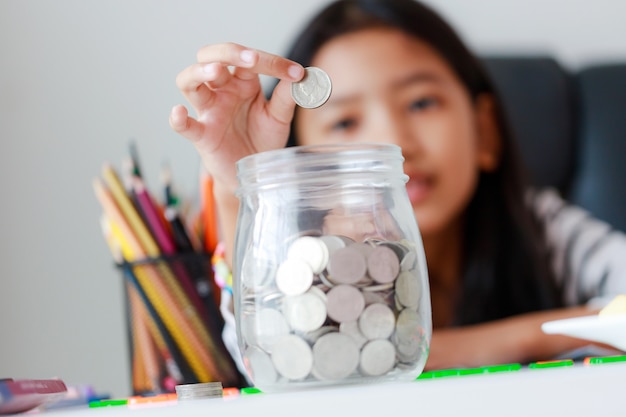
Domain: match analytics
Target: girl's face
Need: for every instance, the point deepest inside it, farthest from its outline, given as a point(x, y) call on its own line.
point(393, 88)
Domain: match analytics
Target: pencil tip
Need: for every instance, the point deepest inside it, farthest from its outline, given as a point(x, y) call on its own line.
point(166, 173)
point(107, 167)
point(97, 185)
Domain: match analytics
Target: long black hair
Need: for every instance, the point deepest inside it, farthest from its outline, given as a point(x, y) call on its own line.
point(505, 266)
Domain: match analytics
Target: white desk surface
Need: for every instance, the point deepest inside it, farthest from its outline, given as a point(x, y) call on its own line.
point(579, 390)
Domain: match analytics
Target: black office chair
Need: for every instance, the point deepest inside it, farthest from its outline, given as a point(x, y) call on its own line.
point(600, 178)
point(570, 128)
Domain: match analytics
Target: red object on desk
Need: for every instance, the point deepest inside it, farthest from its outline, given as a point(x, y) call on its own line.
point(21, 395)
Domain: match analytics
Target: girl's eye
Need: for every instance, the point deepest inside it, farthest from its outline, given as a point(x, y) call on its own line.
point(423, 103)
point(344, 124)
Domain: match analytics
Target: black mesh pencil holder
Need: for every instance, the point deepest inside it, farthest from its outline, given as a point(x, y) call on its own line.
point(174, 324)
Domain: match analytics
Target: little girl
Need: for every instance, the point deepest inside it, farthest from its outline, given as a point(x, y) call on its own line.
point(496, 249)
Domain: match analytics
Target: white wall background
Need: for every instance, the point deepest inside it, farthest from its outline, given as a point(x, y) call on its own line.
point(79, 78)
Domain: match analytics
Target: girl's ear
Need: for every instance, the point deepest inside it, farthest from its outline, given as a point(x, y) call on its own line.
point(489, 144)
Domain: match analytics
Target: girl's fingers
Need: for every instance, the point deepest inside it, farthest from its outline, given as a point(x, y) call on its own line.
point(197, 81)
point(244, 74)
point(181, 123)
point(219, 75)
point(281, 106)
point(228, 54)
point(259, 62)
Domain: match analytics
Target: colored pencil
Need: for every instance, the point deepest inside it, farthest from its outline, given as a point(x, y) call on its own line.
point(148, 247)
point(209, 219)
point(145, 349)
point(166, 243)
point(194, 349)
point(162, 261)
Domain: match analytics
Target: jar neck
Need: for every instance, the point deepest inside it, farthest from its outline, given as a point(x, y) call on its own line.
point(319, 165)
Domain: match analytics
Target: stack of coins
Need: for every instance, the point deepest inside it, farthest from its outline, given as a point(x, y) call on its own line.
point(199, 391)
point(332, 310)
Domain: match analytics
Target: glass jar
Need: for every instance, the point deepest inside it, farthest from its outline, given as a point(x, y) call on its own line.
point(330, 278)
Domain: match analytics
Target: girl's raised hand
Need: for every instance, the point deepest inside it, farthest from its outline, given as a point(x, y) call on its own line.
point(233, 117)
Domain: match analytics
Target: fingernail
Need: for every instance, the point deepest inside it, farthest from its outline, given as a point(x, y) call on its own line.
point(295, 72)
point(247, 56)
point(209, 69)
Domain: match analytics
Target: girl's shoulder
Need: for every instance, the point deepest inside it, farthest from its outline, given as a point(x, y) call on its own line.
point(550, 208)
point(565, 223)
point(546, 203)
point(587, 254)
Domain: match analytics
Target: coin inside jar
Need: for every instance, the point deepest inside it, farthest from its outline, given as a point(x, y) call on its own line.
point(334, 309)
point(335, 356)
point(292, 357)
point(313, 90)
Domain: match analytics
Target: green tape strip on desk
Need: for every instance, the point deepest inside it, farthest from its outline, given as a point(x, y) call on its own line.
point(509, 367)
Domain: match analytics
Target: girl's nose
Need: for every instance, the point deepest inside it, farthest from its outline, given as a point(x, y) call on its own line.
point(387, 126)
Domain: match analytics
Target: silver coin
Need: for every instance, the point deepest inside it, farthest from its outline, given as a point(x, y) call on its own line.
point(378, 288)
point(344, 303)
point(374, 241)
point(272, 299)
point(408, 337)
point(399, 249)
point(292, 357)
point(398, 304)
point(248, 327)
point(260, 366)
point(377, 321)
point(294, 276)
point(410, 257)
point(364, 282)
point(372, 297)
point(351, 329)
point(311, 250)
point(365, 248)
point(347, 240)
point(305, 312)
point(377, 357)
point(313, 90)
point(347, 265)
point(335, 356)
point(333, 243)
point(383, 265)
point(408, 289)
point(326, 280)
point(199, 390)
point(256, 273)
point(319, 292)
point(313, 336)
point(269, 326)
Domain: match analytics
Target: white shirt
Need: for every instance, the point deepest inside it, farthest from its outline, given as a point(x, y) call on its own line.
point(588, 255)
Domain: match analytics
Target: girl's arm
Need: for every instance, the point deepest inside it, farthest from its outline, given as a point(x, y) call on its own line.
point(516, 339)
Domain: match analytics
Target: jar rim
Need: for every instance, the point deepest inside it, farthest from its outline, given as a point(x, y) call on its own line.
point(285, 164)
point(323, 148)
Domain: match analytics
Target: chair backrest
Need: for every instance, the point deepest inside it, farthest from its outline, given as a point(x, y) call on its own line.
point(600, 179)
point(537, 95)
point(570, 128)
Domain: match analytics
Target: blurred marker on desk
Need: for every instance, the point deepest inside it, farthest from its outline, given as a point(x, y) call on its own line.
point(491, 369)
point(108, 403)
point(551, 364)
point(604, 360)
point(250, 391)
point(139, 401)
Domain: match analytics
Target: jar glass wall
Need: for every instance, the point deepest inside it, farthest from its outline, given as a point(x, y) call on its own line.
point(330, 279)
